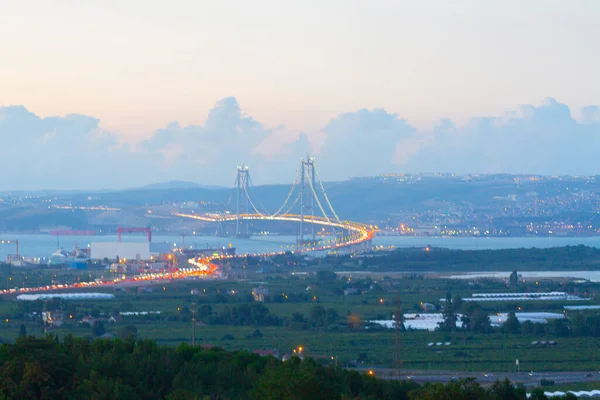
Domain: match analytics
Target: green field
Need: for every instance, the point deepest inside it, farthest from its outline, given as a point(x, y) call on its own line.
point(336, 341)
point(468, 352)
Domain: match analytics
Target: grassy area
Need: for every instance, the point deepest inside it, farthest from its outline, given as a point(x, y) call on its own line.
point(289, 294)
point(483, 353)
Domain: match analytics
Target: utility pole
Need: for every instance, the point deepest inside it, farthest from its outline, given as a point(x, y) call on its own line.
point(193, 324)
point(398, 316)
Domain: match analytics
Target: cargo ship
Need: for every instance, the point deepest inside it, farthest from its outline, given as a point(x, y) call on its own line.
point(77, 258)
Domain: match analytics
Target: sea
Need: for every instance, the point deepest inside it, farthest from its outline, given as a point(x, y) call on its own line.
point(43, 245)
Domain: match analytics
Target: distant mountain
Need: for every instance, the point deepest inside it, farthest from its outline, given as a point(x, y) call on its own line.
point(177, 185)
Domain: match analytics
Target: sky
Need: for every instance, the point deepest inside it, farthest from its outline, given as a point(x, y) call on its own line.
point(117, 94)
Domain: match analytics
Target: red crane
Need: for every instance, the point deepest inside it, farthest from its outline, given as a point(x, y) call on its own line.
point(148, 231)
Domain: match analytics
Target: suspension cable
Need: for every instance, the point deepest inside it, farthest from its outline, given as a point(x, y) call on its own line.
point(262, 206)
point(251, 203)
point(325, 195)
point(276, 213)
point(293, 204)
point(317, 198)
point(231, 193)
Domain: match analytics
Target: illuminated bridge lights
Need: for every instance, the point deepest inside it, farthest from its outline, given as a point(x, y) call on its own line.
point(361, 232)
point(203, 267)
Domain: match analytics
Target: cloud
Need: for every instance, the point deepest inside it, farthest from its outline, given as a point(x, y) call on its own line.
point(590, 115)
point(362, 143)
point(281, 166)
point(209, 154)
point(61, 152)
point(542, 139)
point(74, 152)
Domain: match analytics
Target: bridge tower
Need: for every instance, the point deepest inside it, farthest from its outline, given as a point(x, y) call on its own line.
point(241, 200)
point(307, 196)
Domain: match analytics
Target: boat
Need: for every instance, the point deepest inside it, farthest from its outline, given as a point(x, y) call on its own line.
point(59, 257)
point(75, 258)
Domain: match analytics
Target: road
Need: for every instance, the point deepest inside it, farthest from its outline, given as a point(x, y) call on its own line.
point(527, 378)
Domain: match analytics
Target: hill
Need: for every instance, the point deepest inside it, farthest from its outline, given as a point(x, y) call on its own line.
point(177, 185)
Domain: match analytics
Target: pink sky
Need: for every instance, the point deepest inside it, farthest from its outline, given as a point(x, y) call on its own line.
point(138, 65)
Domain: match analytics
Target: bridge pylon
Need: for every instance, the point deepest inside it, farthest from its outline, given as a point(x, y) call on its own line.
point(310, 200)
point(307, 197)
point(242, 180)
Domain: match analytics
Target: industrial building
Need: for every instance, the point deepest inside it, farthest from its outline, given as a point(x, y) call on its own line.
point(139, 251)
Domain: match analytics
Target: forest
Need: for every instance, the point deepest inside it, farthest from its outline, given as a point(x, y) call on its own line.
point(49, 368)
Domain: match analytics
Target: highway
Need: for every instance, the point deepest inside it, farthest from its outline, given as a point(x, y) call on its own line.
point(528, 379)
point(361, 233)
point(202, 268)
point(357, 234)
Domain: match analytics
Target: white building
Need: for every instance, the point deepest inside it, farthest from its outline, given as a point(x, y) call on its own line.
point(122, 250)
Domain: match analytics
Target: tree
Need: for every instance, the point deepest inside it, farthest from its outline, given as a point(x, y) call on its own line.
point(480, 321)
point(98, 328)
point(185, 314)
point(449, 314)
point(181, 394)
point(457, 303)
point(318, 316)
point(475, 319)
point(512, 324)
point(256, 334)
point(128, 332)
point(456, 389)
point(298, 317)
point(22, 330)
point(35, 382)
point(332, 316)
point(326, 277)
point(204, 311)
point(506, 391)
point(558, 327)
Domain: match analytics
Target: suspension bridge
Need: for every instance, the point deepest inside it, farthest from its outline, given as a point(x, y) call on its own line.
point(306, 204)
